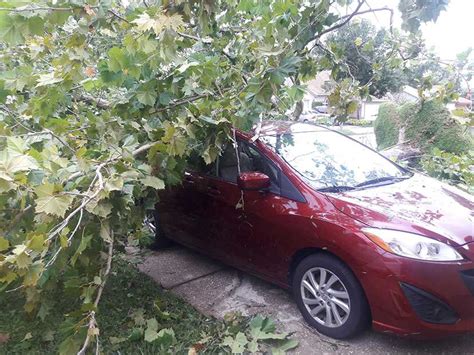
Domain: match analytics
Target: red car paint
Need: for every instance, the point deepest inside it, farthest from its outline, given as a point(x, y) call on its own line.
point(267, 234)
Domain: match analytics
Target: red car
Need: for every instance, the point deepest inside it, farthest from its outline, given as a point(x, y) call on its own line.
point(357, 238)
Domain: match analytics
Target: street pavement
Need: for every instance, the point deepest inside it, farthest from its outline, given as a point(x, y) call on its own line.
point(216, 289)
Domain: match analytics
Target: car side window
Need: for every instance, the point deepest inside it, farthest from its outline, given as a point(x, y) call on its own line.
point(250, 160)
point(197, 164)
point(227, 163)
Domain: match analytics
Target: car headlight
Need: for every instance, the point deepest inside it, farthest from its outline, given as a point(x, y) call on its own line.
point(411, 245)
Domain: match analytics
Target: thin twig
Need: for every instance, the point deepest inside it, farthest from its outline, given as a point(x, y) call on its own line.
point(118, 16)
point(188, 36)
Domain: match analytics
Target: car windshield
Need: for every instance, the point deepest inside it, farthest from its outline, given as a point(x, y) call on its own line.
point(330, 161)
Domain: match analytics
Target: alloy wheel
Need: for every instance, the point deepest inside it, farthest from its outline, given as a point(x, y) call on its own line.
point(325, 297)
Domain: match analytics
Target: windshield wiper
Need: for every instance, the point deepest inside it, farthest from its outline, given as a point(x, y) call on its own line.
point(342, 188)
point(336, 188)
point(389, 179)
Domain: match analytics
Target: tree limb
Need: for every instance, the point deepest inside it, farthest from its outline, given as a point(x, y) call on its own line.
point(88, 99)
point(44, 8)
point(92, 320)
point(346, 18)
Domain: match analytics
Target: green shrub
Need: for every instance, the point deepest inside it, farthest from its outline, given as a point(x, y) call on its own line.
point(453, 139)
point(455, 169)
point(386, 126)
point(427, 125)
point(422, 123)
point(432, 126)
point(360, 123)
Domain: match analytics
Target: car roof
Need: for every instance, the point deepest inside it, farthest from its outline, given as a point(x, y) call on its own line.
point(274, 128)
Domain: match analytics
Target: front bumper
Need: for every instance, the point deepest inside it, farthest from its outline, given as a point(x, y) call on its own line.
point(448, 284)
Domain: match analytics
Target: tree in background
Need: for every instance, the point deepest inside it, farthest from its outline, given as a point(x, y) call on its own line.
point(366, 51)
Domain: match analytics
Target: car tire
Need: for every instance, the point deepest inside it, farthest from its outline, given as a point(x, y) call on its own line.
point(344, 296)
point(161, 241)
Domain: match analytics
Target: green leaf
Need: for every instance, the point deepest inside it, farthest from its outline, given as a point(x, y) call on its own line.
point(162, 22)
point(4, 244)
point(150, 335)
point(48, 79)
point(118, 60)
point(16, 145)
point(63, 241)
point(85, 241)
point(165, 98)
point(51, 203)
point(352, 107)
point(147, 97)
point(152, 324)
point(105, 233)
point(99, 208)
point(153, 181)
point(237, 344)
point(36, 243)
point(264, 328)
point(12, 28)
point(23, 260)
point(114, 184)
point(284, 346)
point(166, 338)
point(19, 162)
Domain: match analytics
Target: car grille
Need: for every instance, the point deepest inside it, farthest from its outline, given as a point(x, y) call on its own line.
point(468, 278)
point(428, 307)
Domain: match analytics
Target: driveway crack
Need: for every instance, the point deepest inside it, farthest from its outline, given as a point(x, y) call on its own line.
point(196, 278)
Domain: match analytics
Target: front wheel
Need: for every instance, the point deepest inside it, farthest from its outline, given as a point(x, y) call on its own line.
point(330, 297)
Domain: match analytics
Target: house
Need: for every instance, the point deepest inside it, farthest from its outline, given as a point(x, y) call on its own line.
point(406, 94)
point(315, 100)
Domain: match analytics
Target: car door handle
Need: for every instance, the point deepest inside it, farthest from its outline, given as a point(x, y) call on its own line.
point(214, 191)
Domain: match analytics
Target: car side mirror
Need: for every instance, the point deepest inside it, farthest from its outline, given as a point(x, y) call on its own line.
point(253, 181)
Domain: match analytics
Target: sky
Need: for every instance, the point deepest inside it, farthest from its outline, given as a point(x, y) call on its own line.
point(451, 34)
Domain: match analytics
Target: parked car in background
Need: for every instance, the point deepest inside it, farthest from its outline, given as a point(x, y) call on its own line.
point(358, 239)
point(318, 118)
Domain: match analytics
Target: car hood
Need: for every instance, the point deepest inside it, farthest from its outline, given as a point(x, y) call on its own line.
point(419, 205)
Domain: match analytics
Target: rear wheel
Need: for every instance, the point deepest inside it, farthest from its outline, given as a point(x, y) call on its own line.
point(153, 223)
point(330, 297)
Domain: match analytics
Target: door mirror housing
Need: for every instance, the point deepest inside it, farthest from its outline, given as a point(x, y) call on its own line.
point(253, 181)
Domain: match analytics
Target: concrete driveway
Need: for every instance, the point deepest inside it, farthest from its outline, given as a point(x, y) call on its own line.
point(216, 289)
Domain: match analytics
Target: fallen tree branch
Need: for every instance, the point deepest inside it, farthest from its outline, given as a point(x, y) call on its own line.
point(91, 332)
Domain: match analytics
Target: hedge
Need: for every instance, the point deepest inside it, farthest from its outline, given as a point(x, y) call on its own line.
point(386, 126)
point(427, 125)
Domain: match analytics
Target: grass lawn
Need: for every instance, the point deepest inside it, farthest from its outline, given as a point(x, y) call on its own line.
point(130, 299)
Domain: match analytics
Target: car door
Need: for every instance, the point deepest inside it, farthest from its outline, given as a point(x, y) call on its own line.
point(253, 225)
point(184, 209)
